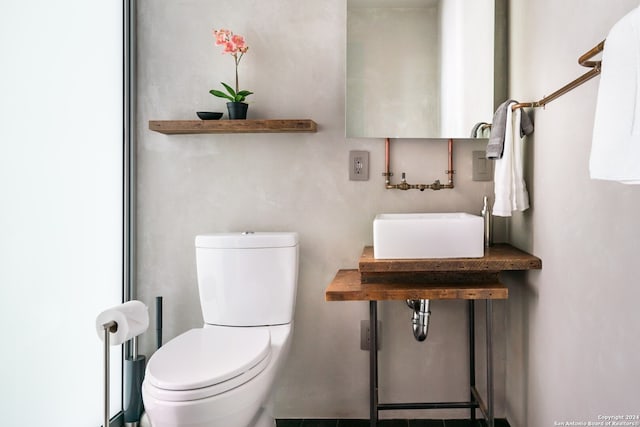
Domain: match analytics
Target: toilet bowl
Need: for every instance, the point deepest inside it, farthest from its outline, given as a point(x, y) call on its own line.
point(215, 376)
point(223, 373)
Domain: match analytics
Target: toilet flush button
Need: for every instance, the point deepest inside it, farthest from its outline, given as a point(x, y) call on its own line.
point(248, 232)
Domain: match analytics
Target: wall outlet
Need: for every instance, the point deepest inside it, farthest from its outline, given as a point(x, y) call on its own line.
point(365, 339)
point(358, 165)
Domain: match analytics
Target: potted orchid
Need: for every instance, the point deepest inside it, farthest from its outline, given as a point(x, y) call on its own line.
point(235, 45)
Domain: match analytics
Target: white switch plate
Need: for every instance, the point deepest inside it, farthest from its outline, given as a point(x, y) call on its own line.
point(482, 167)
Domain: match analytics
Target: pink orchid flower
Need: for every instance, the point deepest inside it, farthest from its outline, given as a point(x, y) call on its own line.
point(221, 36)
point(229, 48)
point(233, 44)
point(238, 41)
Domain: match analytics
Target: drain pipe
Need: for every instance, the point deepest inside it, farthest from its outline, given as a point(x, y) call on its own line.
point(420, 319)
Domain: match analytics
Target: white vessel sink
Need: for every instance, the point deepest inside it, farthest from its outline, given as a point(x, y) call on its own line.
point(428, 235)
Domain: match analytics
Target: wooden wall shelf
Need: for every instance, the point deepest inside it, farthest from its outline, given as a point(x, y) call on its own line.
point(178, 127)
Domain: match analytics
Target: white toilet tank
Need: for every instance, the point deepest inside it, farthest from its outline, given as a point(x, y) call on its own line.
point(247, 279)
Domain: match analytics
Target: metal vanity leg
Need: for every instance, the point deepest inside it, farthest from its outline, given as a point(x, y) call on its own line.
point(373, 362)
point(489, 314)
point(472, 358)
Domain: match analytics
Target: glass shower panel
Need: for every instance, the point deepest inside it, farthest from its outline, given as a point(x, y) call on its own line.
point(61, 195)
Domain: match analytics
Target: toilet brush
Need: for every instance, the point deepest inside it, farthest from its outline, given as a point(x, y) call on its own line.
point(134, 374)
point(158, 322)
point(134, 367)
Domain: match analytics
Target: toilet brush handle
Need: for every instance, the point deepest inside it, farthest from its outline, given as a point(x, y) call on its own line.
point(159, 321)
point(134, 348)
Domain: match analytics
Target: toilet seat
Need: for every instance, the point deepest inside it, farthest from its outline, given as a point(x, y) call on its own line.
point(207, 361)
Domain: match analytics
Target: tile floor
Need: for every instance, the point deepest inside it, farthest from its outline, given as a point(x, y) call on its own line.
point(384, 423)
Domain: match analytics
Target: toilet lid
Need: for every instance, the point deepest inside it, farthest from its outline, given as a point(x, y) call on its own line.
point(207, 356)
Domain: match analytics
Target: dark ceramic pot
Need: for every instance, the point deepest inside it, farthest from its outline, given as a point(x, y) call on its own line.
point(237, 110)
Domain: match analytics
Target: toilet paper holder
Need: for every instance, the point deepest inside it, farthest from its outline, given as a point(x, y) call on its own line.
point(109, 327)
point(115, 326)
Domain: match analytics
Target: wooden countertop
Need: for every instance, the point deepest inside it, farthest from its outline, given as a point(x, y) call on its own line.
point(347, 286)
point(501, 257)
point(442, 278)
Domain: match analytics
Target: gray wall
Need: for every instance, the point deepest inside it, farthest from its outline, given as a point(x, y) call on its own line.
point(573, 329)
point(205, 183)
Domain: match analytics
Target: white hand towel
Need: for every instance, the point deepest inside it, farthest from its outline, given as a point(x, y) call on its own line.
point(509, 186)
point(615, 149)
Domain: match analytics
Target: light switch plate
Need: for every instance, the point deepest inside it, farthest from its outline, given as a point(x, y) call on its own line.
point(482, 167)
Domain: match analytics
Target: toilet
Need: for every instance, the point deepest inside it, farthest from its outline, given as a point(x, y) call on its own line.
point(223, 373)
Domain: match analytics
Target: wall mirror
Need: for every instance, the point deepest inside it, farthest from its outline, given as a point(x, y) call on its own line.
point(421, 68)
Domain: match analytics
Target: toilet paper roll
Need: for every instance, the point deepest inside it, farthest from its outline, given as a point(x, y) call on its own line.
point(132, 318)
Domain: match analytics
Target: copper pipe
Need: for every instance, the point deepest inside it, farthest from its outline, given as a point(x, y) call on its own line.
point(404, 185)
point(563, 90)
point(584, 61)
point(436, 185)
point(386, 173)
point(450, 171)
